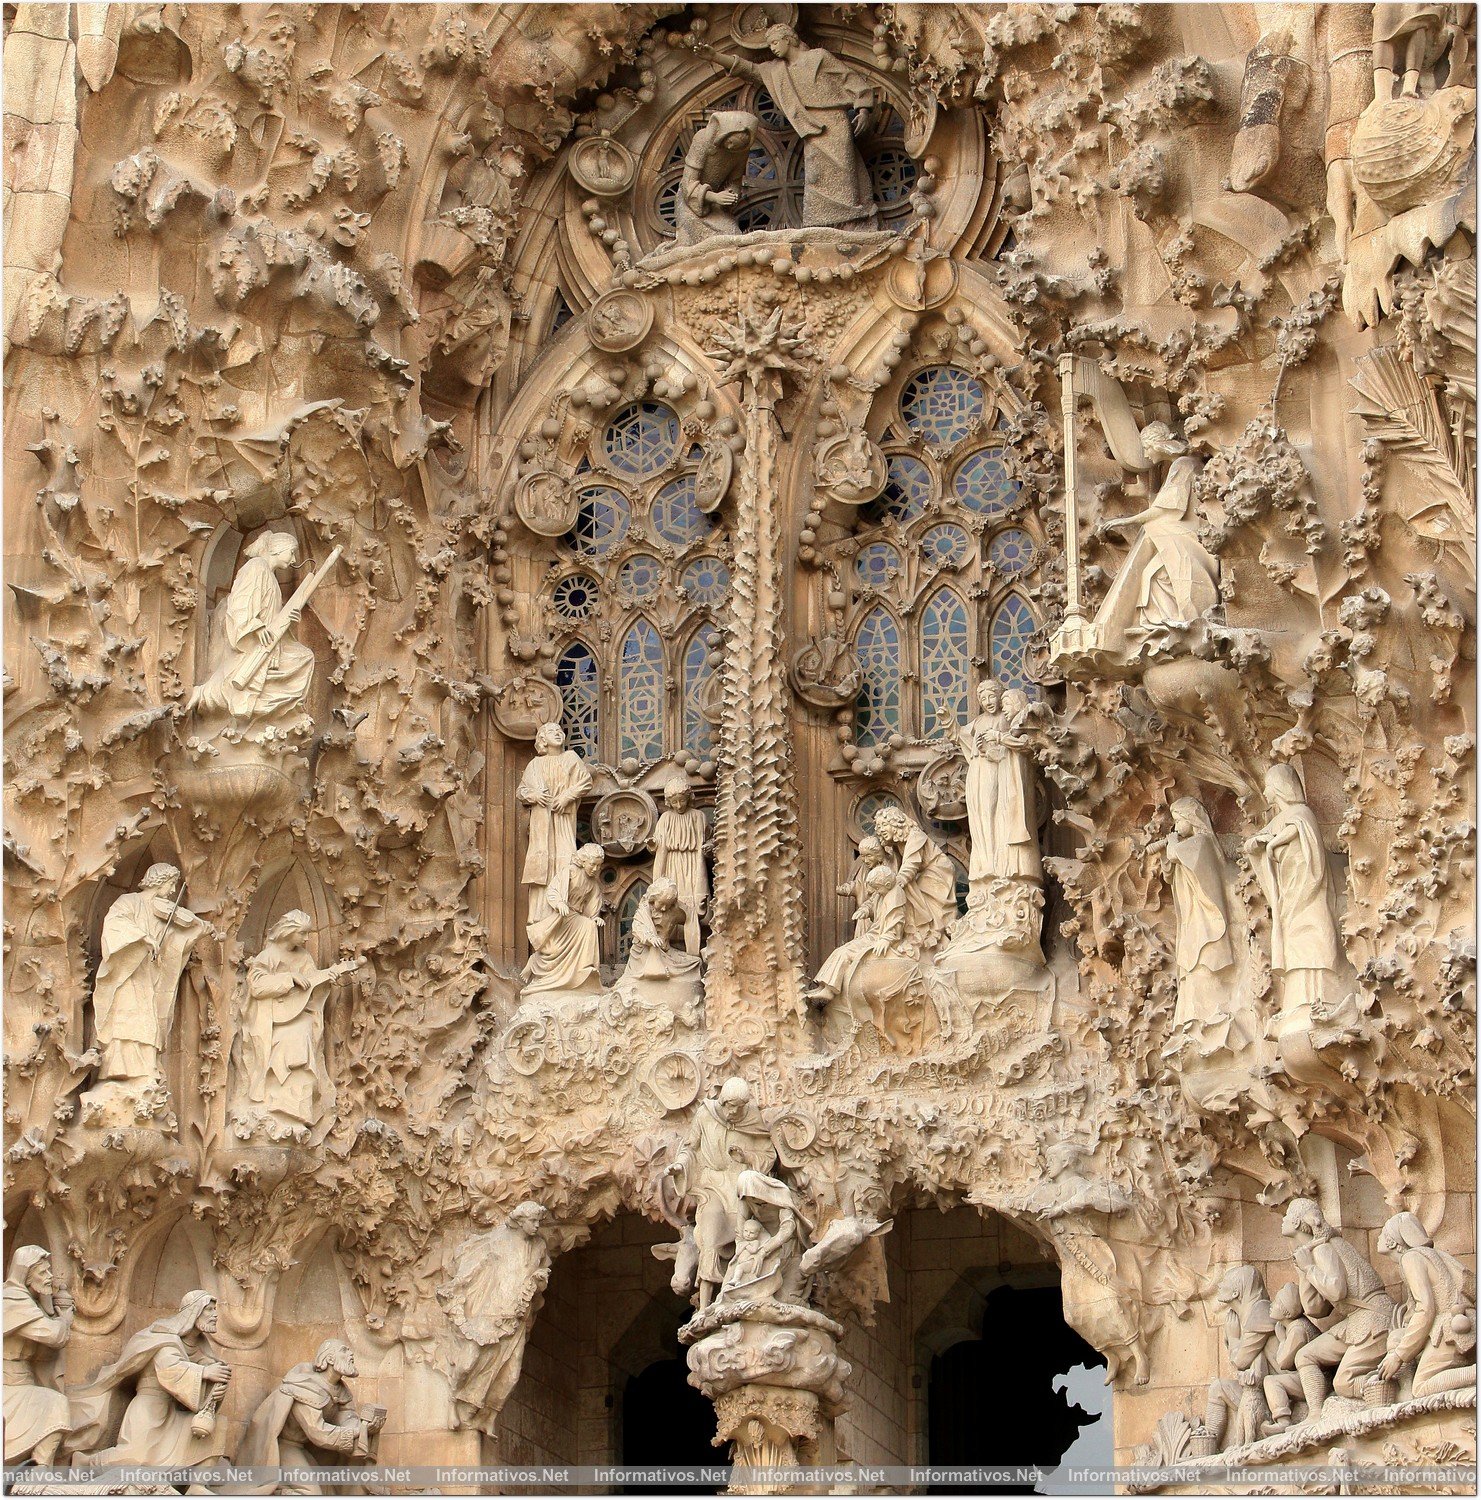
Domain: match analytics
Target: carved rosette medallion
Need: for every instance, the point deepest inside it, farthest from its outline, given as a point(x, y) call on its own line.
point(826, 672)
point(674, 1079)
point(603, 166)
point(624, 821)
point(919, 284)
point(748, 23)
point(851, 468)
point(525, 703)
point(941, 787)
point(618, 321)
point(716, 467)
point(545, 502)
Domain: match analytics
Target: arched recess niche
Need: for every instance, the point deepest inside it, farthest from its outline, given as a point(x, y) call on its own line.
point(221, 560)
point(558, 260)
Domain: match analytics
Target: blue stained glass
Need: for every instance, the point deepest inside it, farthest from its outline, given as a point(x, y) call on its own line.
point(575, 597)
point(877, 712)
point(892, 172)
point(983, 483)
point(876, 564)
point(1012, 551)
point(963, 887)
point(1012, 628)
point(947, 546)
point(676, 515)
point(706, 580)
point(668, 205)
point(576, 677)
point(767, 112)
point(942, 404)
point(907, 490)
point(871, 806)
point(640, 694)
point(759, 166)
point(639, 577)
point(944, 665)
point(699, 733)
point(601, 522)
point(641, 439)
point(626, 913)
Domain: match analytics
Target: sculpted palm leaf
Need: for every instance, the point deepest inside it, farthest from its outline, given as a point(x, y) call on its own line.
point(1404, 412)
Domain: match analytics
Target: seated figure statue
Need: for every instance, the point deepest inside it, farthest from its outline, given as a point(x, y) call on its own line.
point(656, 970)
point(264, 675)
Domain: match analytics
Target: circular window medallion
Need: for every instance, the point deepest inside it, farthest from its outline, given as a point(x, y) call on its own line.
point(618, 321)
point(603, 166)
point(545, 502)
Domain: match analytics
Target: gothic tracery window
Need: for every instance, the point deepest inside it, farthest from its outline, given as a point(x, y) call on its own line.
point(635, 593)
point(938, 565)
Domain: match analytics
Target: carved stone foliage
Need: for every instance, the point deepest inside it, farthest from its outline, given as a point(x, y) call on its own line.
point(751, 615)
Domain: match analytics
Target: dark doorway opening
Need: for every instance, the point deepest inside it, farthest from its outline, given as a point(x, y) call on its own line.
point(993, 1400)
point(666, 1422)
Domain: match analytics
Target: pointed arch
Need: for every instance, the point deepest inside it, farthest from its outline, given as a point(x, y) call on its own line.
point(640, 693)
point(877, 713)
point(627, 910)
point(945, 664)
point(576, 677)
point(1013, 626)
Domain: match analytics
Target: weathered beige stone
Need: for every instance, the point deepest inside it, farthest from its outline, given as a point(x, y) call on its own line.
point(987, 495)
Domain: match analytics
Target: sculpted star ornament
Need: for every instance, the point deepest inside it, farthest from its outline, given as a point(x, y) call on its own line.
point(756, 346)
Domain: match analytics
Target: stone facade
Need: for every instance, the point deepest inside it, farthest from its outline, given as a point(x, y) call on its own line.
point(682, 678)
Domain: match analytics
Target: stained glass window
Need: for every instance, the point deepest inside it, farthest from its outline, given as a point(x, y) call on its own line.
point(706, 580)
point(676, 515)
point(699, 734)
point(907, 490)
point(575, 597)
point(944, 684)
point(626, 913)
point(877, 712)
point(1012, 627)
point(640, 694)
point(983, 483)
point(871, 806)
point(639, 577)
point(892, 172)
point(576, 677)
point(641, 439)
point(946, 546)
point(942, 404)
point(876, 564)
point(1011, 551)
point(601, 522)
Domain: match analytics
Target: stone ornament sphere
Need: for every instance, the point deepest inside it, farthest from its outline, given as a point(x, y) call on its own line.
point(545, 503)
point(603, 166)
point(749, 23)
point(1407, 152)
point(675, 1079)
point(623, 821)
point(918, 286)
point(619, 321)
point(525, 705)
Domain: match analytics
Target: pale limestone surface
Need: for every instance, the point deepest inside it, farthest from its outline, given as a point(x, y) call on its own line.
point(364, 416)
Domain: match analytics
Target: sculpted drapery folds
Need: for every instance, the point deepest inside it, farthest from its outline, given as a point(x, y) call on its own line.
point(38, 1326)
point(1001, 812)
point(155, 1405)
point(551, 787)
point(492, 1296)
point(264, 675)
point(282, 1069)
point(147, 938)
point(311, 1418)
point(707, 382)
